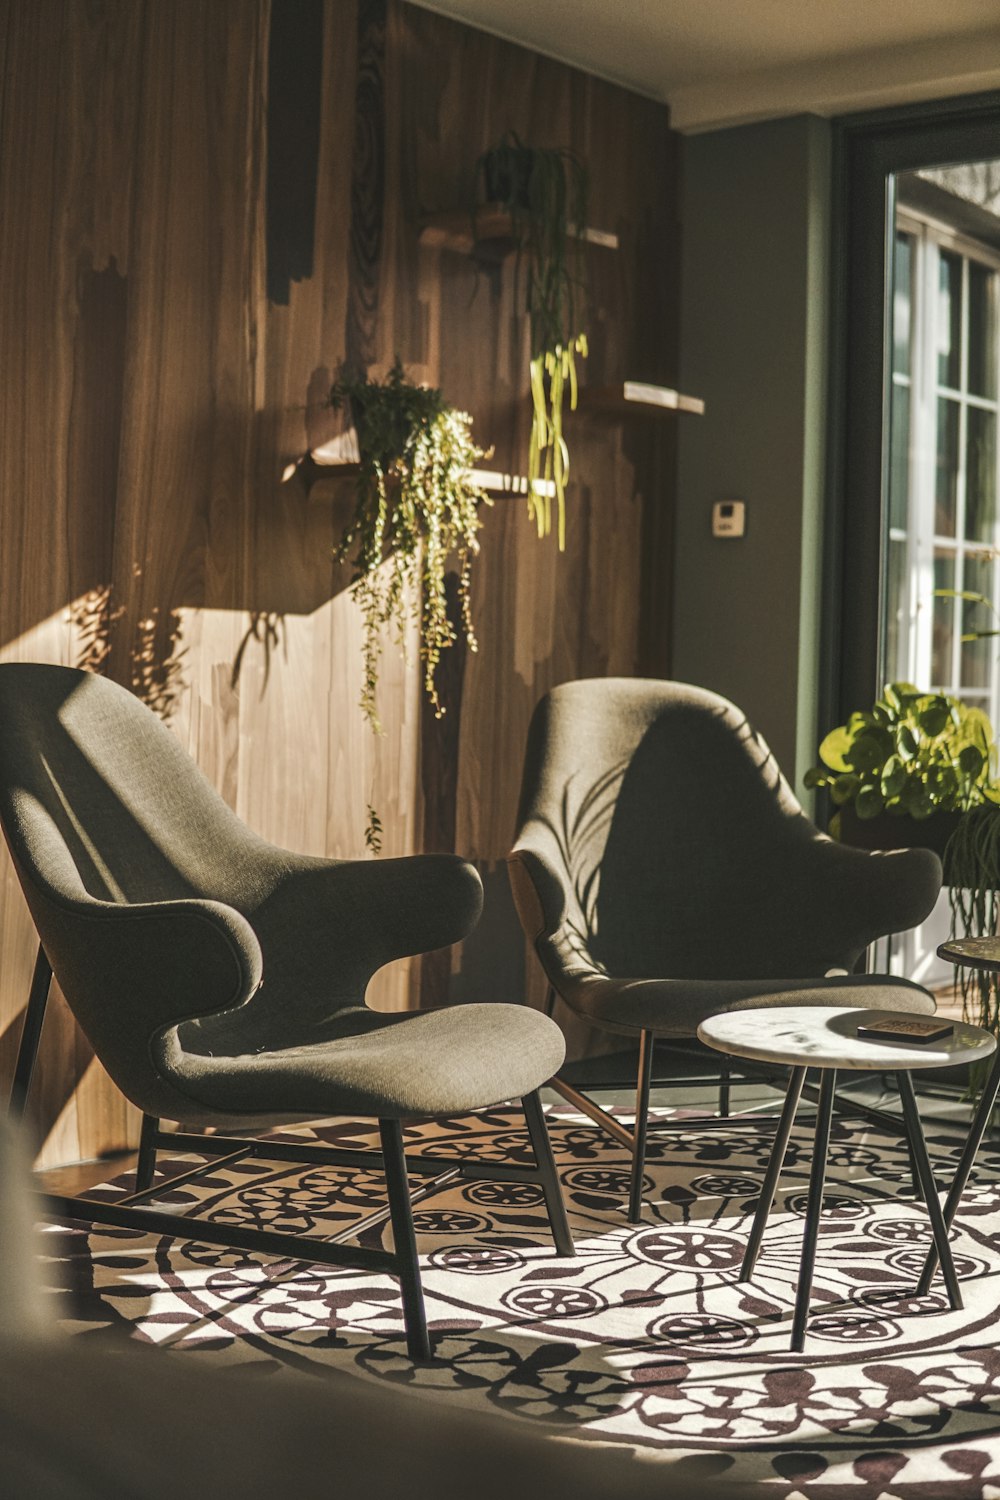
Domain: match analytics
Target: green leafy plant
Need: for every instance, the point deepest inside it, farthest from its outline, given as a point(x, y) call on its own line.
point(545, 193)
point(417, 506)
point(915, 754)
point(912, 754)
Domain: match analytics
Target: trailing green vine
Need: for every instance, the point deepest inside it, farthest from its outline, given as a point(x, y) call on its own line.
point(545, 193)
point(972, 870)
point(416, 507)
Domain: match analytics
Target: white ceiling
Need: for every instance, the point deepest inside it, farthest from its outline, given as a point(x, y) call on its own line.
point(726, 62)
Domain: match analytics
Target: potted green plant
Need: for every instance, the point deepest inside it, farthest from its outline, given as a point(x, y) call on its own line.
point(417, 506)
point(545, 193)
point(914, 756)
point(918, 769)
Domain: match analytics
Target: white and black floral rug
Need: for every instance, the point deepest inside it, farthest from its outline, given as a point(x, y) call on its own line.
point(645, 1338)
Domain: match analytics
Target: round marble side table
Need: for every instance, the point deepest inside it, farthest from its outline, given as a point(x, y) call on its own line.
point(805, 1037)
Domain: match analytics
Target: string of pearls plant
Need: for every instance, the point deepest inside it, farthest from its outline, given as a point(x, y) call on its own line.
point(417, 507)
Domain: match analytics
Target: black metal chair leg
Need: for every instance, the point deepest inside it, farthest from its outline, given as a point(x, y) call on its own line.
point(911, 1116)
point(404, 1240)
point(774, 1166)
point(641, 1122)
point(542, 1147)
point(814, 1208)
point(31, 1032)
point(977, 1130)
point(146, 1165)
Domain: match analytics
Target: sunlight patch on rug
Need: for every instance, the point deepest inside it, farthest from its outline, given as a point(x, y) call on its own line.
point(645, 1338)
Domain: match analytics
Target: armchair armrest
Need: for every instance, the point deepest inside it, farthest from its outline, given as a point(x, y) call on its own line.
point(870, 894)
point(130, 971)
point(538, 893)
point(326, 926)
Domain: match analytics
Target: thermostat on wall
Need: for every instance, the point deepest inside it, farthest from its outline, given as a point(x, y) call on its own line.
point(728, 518)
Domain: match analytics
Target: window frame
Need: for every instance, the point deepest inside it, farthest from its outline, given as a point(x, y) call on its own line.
point(869, 149)
point(930, 237)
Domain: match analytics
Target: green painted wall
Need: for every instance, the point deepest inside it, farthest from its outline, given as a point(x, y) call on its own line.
point(754, 294)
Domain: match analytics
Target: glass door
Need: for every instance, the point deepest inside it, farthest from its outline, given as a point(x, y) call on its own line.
point(942, 539)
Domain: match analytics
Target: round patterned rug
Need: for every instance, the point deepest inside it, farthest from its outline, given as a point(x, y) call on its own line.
point(645, 1337)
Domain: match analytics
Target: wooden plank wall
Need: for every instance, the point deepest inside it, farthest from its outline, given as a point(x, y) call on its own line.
point(153, 392)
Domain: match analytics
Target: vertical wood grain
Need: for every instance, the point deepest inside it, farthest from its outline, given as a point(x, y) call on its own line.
point(368, 170)
point(154, 394)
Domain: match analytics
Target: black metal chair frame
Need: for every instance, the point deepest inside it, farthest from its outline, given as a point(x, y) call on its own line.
point(634, 1139)
point(402, 1262)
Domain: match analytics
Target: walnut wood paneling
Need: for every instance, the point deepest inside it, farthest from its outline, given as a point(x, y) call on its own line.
point(368, 196)
point(294, 114)
point(154, 393)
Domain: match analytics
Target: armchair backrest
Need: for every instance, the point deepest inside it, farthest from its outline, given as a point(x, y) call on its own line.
point(659, 820)
point(99, 799)
point(157, 906)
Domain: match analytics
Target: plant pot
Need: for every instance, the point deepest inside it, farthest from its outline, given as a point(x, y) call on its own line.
point(888, 831)
point(507, 176)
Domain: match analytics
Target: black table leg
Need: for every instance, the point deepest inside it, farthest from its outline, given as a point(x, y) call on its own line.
point(774, 1166)
point(814, 1208)
point(640, 1127)
point(911, 1115)
point(977, 1130)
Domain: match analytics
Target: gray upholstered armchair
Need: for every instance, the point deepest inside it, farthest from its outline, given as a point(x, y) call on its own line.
point(221, 980)
point(665, 872)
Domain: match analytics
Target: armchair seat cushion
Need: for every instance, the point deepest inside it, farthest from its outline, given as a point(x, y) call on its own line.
point(362, 1062)
point(676, 1007)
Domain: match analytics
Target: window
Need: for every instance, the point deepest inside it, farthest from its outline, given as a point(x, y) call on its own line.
point(944, 531)
point(943, 526)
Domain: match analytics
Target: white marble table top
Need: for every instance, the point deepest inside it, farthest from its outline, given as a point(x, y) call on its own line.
point(816, 1036)
point(974, 953)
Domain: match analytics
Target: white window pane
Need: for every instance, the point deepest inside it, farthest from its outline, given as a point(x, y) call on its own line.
point(946, 475)
point(982, 330)
point(976, 656)
point(980, 475)
point(943, 628)
point(902, 304)
point(949, 320)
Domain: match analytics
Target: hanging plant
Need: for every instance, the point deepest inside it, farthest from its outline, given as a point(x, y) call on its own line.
point(417, 506)
point(545, 193)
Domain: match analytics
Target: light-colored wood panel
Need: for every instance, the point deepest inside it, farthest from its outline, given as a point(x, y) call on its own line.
point(284, 760)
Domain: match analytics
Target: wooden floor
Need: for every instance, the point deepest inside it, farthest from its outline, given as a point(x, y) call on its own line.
point(949, 1002)
point(82, 1175)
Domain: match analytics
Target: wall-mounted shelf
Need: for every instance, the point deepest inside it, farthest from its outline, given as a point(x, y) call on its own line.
point(321, 469)
point(335, 460)
point(634, 398)
point(453, 229)
point(511, 486)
